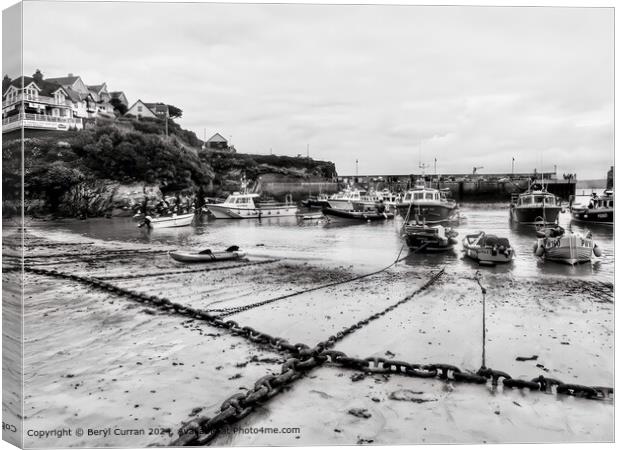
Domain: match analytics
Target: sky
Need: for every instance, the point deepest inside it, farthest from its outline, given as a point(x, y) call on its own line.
point(389, 86)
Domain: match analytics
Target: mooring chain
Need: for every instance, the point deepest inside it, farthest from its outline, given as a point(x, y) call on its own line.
point(278, 344)
point(97, 253)
point(201, 430)
point(175, 272)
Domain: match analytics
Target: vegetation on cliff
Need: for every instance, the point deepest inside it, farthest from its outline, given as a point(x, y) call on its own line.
point(59, 166)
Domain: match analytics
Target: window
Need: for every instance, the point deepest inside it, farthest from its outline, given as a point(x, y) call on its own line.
point(139, 108)
point(538, 199)
point(429, 196)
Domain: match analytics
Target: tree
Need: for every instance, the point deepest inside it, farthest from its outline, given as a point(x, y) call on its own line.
point(119, 106)
point(174, 112)
point(38, 76)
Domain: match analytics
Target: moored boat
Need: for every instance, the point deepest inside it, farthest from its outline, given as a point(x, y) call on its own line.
point(488, 248)
point(535, 206)
point(181, 220)
point(431, 238)
point(339, 215)
point(207, 255)
point(248, 206)
point(556, 244)
point(427, 204)
point(599, 209)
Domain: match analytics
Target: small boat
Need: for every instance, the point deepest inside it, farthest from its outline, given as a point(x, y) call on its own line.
point(339, 215)
point(599, 209)
point(488, 249)
point(311, 216)
point(535, 206)
point(555, 244)
point(430, 238)
point(181, 220)
point(344, 200)
point(207, 255)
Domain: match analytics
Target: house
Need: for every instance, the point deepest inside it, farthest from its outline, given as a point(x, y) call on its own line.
point(37, 104)
point(94, 99)
point(217, 142)
point(139, 110)
point(153, 110)
point(160, 109)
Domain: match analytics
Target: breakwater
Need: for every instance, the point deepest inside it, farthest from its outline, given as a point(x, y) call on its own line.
point(483, 187)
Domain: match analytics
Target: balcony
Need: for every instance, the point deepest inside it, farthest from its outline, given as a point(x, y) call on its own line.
point(40, 121)
point(35, 99)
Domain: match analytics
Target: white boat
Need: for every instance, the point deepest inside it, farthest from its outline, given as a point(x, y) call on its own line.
point(554, 244)
point(488, 248)
point(245, 206)
point(344, 200)
point(181, 220)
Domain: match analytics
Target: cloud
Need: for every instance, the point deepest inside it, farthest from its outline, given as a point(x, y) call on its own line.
point(387, 85)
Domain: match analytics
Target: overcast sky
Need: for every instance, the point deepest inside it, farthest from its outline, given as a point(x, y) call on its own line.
point(388, 85)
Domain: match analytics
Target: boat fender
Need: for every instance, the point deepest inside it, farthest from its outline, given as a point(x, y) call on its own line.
point(233, 248)
point(540, 251)
point(597, 251)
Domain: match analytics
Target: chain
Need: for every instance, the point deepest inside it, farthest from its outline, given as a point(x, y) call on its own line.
point(110, 252)
point(202, 430)
point(275, 343)
point(171, 272)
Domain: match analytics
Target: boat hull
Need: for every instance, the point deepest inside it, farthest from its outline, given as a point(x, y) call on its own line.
point(338, 215)
point(182, 220)
point(428, 212)
point(188, 257)
point(533, 215)
point(227, 212)
point(429, 244)
point(593, 216)
point(570, 249)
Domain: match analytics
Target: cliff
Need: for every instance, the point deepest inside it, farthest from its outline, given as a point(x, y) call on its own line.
point(117, 167)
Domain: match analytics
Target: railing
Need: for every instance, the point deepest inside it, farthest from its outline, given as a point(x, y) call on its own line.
point(36, 99)
point(40, 118)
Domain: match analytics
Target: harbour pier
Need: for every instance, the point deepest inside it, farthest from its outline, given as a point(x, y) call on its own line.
point(471, 187)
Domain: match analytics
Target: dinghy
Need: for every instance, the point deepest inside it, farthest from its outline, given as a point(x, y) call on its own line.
point(555, 244)
point(181, 220)
point(488, 249)
point(232, 252)
point(339, 215)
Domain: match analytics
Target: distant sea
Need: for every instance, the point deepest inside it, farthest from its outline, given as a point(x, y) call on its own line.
point(591, 184)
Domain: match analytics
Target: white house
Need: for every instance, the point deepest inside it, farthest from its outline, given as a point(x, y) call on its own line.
point(140, 109)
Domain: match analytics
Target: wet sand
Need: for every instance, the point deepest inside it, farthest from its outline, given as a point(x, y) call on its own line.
point(99, 360)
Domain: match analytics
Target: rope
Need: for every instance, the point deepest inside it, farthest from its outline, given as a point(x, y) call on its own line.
point(477, 277)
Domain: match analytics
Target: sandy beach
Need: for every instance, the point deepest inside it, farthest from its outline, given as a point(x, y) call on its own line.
point(100, 361)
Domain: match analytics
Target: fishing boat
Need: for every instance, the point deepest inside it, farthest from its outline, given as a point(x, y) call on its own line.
point(427, 204)
point(535, 206)
point(556, 244)
point(207, 255)
point(488, 249)
point(247, 206)
point(431, 238)
point(599, 209)
point(339, 215)
point(181, 220)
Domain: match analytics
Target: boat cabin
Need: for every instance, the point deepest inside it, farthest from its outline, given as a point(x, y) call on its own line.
point(241, 200)
point(536, 198)
point(424, 194)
